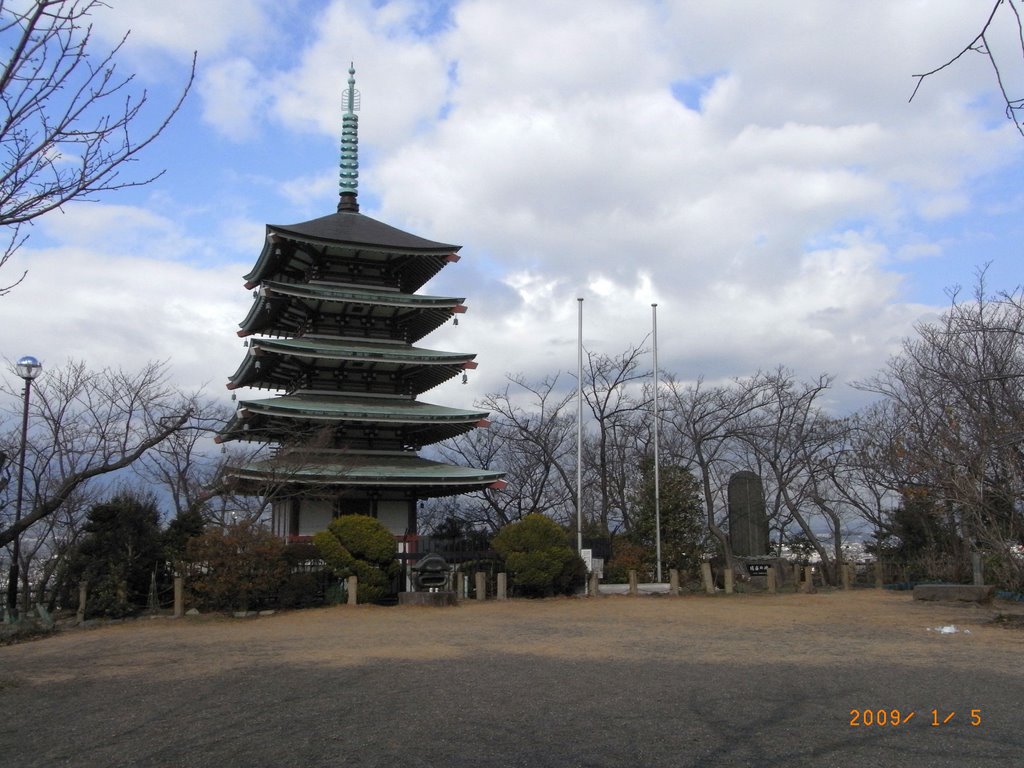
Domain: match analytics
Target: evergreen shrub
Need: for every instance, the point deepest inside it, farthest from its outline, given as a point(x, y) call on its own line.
point(538, 557)
point(359, 545)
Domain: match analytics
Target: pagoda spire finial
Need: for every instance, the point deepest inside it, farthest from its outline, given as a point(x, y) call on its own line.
point(348, 178)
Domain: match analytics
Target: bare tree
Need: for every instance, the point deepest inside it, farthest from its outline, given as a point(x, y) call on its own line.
point(863, 470)
point(68, 119)
point(613, 391)
point(956, 393)
point(183, 465)
point(794, 441)
point(1007, 15)
point(531, 439)
point(86, 424)
point(706, 424)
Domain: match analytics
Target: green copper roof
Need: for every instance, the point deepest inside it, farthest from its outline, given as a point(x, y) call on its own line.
point(355, 420)
point(309, 363)
point(360, 409)
point(422, 477)
point(341, 349)
point(290, 309)
point(340, 294)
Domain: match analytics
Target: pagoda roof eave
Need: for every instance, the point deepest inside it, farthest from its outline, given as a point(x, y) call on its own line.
point(416, 314)
point(347, 294)
point(426, 478)
point(356, 408)
point(342, 349)
point(416, 267)
point(346, 230)
point(271, 419)
point(286, 363)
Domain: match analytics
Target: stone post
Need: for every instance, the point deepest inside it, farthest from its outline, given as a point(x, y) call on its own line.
point(634, 588)
point(728, 581)
point(83, 595)
point(502, 586)
point(595, 585)
point(797, 573)
point(179, 597)
point(481, 585)
point(977, 569)
point(709, 582)
point(879, 573)
point(353, 589)
point(844, 569)
point(673, 581)
point(770, 576)
point(460, 585)
point(808, 585)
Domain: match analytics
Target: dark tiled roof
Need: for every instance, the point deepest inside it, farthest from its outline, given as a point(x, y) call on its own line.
point(357, 229)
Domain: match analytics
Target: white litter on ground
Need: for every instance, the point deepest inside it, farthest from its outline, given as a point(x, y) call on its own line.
point(949, 629)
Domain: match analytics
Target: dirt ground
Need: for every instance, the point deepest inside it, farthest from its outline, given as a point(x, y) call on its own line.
point(616, 681)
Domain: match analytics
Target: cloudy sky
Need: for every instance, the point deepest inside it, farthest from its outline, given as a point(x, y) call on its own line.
point(754, 168)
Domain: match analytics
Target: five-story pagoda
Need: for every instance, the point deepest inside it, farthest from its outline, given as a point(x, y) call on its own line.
point(332, 326)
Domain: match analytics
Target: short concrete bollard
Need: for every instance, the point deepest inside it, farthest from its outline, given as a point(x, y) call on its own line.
point(179, 597)
point(977, 569)
point(673, 581)
point(353, 590)
point(634, 583)
point(729, 581)
point(770, 576)
point(481, 585)
point(460, 585)
point(594, 588)
point(844, 569)
point(501, 592)
point(705, 574)
point(879, 574)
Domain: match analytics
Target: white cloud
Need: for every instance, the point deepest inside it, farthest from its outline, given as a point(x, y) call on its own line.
point(233, 97)
point(179, 28)
point(124, 286)
point(401, 77)
point(782, 222)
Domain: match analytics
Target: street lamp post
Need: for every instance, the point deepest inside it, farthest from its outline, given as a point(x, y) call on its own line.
point(28, 368)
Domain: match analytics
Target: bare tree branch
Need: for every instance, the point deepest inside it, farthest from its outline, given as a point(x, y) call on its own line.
point(980, 44)
point(67, 117)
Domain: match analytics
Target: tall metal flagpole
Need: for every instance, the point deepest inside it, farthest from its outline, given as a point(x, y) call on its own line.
point(657, 470)
point(579, 429)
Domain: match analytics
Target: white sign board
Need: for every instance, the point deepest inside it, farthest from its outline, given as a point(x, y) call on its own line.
point(588, 558)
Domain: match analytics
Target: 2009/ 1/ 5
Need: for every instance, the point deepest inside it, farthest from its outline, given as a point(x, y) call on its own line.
point(894, 717)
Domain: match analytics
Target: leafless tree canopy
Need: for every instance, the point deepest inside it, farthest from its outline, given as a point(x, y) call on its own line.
point(940, 450)
point(86, 424)
point(69, 121)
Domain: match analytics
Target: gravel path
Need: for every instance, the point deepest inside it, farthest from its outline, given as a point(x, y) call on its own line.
point(616, 681)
